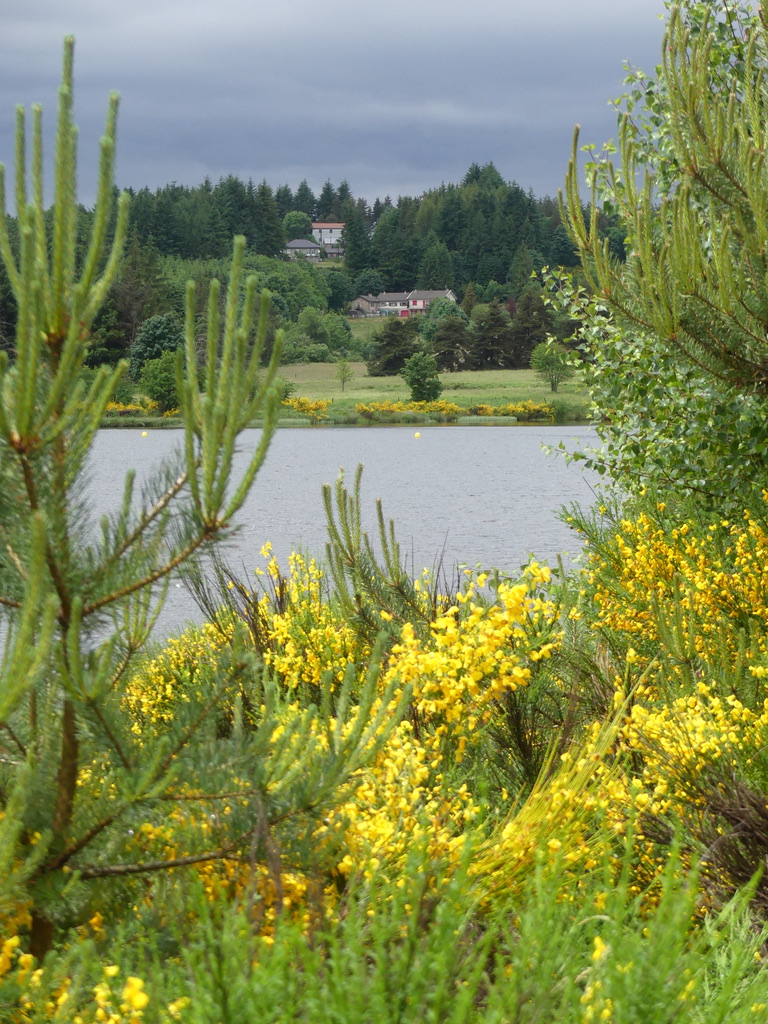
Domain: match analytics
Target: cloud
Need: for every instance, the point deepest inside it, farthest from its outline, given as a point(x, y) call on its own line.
point(395, 98)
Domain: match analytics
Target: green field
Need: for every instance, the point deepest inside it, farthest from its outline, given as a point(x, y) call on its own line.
point(488, 387)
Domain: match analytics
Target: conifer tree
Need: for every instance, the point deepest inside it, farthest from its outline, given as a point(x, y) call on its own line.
point(304, 200)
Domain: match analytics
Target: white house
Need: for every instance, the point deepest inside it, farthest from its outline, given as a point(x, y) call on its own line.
point(327, 233)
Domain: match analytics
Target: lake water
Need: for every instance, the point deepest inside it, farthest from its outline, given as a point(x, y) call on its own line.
point(486, 495)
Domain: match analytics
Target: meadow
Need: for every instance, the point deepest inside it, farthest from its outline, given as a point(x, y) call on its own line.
point(490, 388)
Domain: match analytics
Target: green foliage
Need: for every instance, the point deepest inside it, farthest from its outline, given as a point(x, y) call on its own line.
point(420, 374)
point(297, 224)
point(436, 267)
point(705, 247)
point(355, 239)
point(158, 381)
point(551, 363)
point(79, 600)
point(157, 335)
point(452, 343)
point(341, 290)
point(369, 282)
point(437, 313)
point(344, 373)
point(469, 301)
point(391, 346)
point(662, 423)
point(678, 371)
point(531, 325)
point(493, 340)
point(316, 336)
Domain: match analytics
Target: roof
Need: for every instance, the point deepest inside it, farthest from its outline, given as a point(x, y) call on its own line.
point(420, 294)
point(302, 243)
point(327, 224)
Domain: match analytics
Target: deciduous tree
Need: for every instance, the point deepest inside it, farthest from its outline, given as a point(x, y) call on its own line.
point(420, 374)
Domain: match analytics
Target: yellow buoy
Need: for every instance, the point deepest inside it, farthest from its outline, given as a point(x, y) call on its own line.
point(143, 433)
point(417, 434)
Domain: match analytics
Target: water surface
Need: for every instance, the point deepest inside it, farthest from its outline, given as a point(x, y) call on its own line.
point(486, 495)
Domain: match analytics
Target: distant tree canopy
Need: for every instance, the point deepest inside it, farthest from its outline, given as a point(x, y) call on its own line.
point(447, 237)
point(483, 237)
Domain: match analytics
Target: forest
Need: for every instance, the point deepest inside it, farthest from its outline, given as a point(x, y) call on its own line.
point(484, 238)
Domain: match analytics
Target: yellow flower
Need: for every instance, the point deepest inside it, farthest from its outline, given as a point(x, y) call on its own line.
point(133, 994)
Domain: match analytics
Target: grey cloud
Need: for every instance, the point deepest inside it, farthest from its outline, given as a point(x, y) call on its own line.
point(395, 98)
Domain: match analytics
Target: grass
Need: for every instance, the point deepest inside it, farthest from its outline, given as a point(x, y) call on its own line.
point(317, 381)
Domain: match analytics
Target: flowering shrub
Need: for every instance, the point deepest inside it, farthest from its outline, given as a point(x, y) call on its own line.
point(131, 408)
point(316, 409)
point(524, 411)
point(438, 410)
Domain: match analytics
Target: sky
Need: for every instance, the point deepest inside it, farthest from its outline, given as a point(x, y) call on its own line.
point(395, 98)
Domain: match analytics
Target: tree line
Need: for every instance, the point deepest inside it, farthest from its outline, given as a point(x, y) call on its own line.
point(484, 238)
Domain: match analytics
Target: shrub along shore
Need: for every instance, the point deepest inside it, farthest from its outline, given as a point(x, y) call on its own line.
point(473, 398)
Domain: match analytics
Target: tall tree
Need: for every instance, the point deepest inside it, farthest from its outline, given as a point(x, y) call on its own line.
point(326, 202)
point(391, 346)
point(436, 267)
point(269, 227)
point(304, 200)
point(531, 325)
point(284, 200)
point(355, 239)
point(452, 344)
point(469, 301)
point(492, 338)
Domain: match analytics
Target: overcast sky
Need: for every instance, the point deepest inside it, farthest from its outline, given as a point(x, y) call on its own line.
point(394, 97)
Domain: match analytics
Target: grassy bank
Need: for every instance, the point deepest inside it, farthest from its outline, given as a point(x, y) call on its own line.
point(317, 381)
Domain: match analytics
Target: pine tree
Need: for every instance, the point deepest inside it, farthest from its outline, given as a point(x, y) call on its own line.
point(304, 200)
point(469, 301)
point(392, 346)
point(436, 267)
point(284, 199)
point(531, 325)
point(452, 344)
point(697, 266)
point(269, 226)
point(356, 240)
point(326, 202)
point(492, 338)
point(77, 600)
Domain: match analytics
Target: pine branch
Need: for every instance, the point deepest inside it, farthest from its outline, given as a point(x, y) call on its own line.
point(110, 871)
point(147, 581)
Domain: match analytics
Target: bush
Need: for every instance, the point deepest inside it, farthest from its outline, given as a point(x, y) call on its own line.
point(420, 374)
point(158, 381)
point(156, 335)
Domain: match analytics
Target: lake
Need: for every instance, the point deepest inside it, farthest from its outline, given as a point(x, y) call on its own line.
point(486, 495)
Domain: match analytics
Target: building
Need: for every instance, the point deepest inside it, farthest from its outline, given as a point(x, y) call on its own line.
point(328, 234)
point(300, 246)
point(398, 303)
